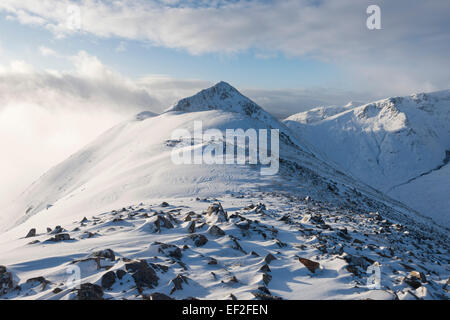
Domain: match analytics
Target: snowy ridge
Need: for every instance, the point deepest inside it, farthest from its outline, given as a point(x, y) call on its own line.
point(389, 144)
point(321, 113)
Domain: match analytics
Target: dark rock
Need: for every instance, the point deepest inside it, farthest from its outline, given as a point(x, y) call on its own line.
point(44, 282)
point(357, 265)
point(418, 275)
point(162, 222)
point(176, 253)
point(89, 234)
point(105, 254)
point(199, 240)
point(31, 233)
point(89, 291)
point(269, 258)
point(212, 261)
point(236, 245)
point(344, 235)
point(49, 230)
point(160, 267)
point(267, 278)
point(413, 282)
point(232, 280)
point(159, 296)
point(264, 296)
point(265, 268)
point(60, 237)
point(217, 210)
point(164, 204)
point(191, 227)
point(58, 229)
point(57, 290)
point(280, 244)
point(143, 274)
point(178, 282)
point(120, 274)
point(108, 279)
point(263, 289)
point(216, 231)
point(309, 264)
point(7, 282)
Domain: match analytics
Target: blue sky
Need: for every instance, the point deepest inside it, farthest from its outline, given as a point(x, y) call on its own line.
point(295, 45)
point(253, 69)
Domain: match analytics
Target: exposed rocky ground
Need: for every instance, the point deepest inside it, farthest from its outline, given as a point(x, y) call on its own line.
point(251, 246)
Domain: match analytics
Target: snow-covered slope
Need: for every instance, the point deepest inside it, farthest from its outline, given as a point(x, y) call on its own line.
point(398, 145)
point(320, 113)
point(201, 230)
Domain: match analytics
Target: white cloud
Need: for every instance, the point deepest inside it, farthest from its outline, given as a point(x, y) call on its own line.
point(413, 42)
point(47, 115)
point(47, 52)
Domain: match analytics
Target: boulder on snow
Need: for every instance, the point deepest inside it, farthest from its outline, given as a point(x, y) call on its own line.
point(199, 239)
point(105, 254)
point(60, 237)
point(89, 291)
point(31, 233)
point(159, 296)
point(309, 264)
point(178, 282)
point(143, 274)
point(269, 258)
point(41, 280)
point(108, 279)
point(216, 213)
point(216, 231)
point(191, 227)
point(7, 281)
point(58, 229)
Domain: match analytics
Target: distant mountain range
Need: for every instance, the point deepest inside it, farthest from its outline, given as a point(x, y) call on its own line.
point(400, 146)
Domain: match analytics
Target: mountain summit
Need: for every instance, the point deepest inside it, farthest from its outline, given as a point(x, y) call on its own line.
point(221, 96)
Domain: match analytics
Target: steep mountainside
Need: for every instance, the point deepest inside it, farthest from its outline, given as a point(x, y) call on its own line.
point(398, 145)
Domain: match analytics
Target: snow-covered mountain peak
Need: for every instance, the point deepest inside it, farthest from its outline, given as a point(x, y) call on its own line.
point(398, 145)
point(221, 96)
point(353, 104)
point(144, 115)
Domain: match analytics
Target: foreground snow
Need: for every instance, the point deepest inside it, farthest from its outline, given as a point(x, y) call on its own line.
point(194, 248)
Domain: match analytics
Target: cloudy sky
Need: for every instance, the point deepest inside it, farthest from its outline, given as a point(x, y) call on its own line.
point(71, 69)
